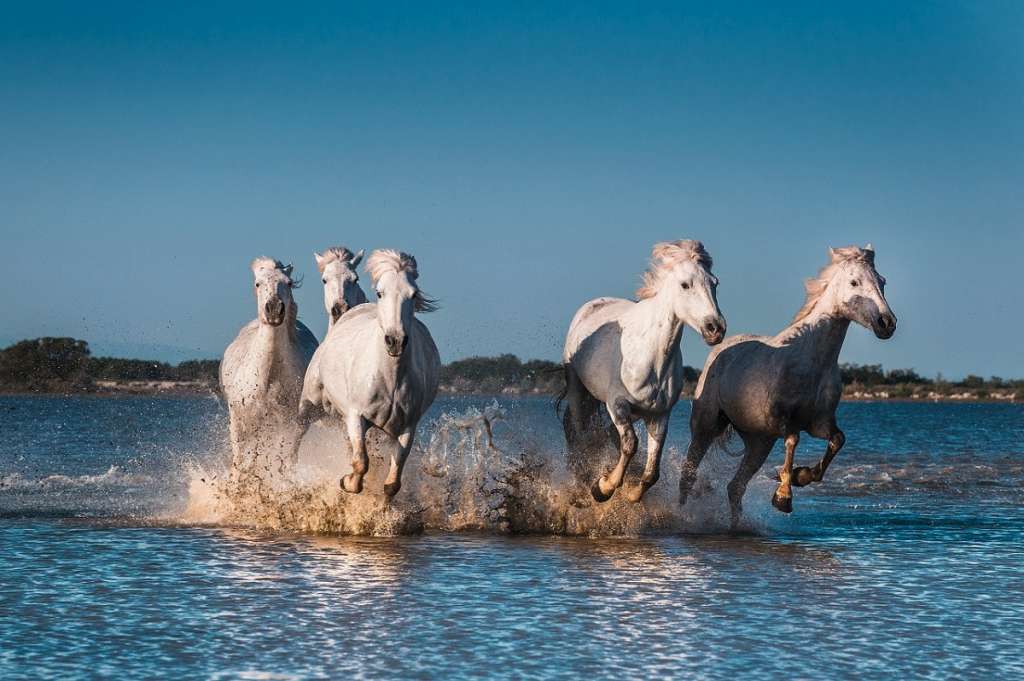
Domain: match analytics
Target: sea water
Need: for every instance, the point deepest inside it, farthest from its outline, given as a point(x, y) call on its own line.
point(128, 550)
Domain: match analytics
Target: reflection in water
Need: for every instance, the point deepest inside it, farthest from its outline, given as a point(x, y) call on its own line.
point(906, 563)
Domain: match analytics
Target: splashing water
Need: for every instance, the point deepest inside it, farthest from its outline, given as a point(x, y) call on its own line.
point(470, 470)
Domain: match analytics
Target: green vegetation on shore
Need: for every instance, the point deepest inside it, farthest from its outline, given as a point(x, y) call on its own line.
point(65, 365)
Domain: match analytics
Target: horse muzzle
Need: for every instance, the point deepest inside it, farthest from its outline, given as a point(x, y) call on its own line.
point(395, 344)
point(273, 312)
point(884, 326)
point(337, 310)
point(713, 330)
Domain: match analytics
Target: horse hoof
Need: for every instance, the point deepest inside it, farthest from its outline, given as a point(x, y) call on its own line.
point(803, 476)
point(350, 486)
point(599, 496)
point(784, 504)
point(391, 489)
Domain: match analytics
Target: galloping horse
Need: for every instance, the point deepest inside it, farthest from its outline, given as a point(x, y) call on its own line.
point(262, 371)
point(768, 388)
point(392, 380)
point(626, 356)
point(342, 292)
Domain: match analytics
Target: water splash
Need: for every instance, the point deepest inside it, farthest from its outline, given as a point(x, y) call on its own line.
point(471, 470)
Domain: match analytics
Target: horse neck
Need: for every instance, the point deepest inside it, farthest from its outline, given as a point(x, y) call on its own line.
point(650, 334)
point(820, 334)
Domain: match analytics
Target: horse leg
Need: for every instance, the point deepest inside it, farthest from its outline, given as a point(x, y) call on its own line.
point(309, 412)
point(657, 429)
point(783, 497)
point(606, 485)
point(393, 482)
point(703, 430)
point(755, 453)
point(578, 422)
point(802, 475)
point(356, 427)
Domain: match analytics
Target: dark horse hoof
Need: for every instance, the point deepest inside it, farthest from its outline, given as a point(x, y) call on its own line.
point(351, 487)
point(784, 504)
point(391, 489)
point(595, 491)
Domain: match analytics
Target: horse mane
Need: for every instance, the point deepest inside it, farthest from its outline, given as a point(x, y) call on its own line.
point(286, 270)
point(385, 260)
point(339, 253)
point(667, 254)
point(817, 286)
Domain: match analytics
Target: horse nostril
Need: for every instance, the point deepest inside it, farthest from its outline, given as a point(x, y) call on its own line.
point(389, 341)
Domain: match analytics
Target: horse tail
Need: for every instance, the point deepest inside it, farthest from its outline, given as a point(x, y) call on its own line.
point(564, 391)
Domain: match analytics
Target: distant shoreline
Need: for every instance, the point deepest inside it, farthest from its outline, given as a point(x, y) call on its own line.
point(106, 389)
point(65, 366)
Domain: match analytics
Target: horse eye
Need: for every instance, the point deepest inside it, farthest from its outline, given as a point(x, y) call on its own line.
point(257, 284)
point(324, 280)
point(686, 286)
point(854, 283)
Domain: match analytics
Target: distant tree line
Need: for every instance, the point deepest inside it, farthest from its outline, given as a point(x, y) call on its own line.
point(66, 365)
point(906, 382)
point(507, 373)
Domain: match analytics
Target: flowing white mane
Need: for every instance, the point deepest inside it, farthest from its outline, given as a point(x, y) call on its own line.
point(817, 286)
point(339, 253)
point(263, 262)
point(664, 256)
point(386, 260)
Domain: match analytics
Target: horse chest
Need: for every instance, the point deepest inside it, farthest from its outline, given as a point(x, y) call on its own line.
point(649, 390)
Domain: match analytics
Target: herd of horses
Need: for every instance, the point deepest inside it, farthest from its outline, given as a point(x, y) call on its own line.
point(378, 367)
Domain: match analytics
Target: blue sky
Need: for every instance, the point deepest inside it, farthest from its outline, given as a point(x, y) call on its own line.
point(528, 155)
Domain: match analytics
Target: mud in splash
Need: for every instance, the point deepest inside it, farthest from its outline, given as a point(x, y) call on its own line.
point(470, 470)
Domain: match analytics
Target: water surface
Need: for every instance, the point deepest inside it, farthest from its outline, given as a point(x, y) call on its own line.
point(906, 563)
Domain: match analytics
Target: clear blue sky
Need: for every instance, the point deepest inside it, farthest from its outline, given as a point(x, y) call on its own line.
point(527, 155)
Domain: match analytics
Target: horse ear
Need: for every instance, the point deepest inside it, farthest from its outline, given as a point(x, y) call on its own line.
point(357, 258)
point(832, 255)
point(319, 261)
point(869, 247)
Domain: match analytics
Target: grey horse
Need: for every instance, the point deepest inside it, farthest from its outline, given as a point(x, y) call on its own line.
point(766, 388)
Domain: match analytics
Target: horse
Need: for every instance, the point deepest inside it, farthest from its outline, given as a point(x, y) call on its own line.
point(766, 388)
point(262, 370)
point(392, 380)
point(342, 292)
point(626, 355)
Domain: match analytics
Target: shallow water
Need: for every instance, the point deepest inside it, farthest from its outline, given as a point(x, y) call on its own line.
point(907, 562)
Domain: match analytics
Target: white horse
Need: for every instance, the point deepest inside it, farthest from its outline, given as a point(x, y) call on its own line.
point(342, 292)
point(768, 388)
point(626, 356)
point(393, 378)
point(262, 370)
